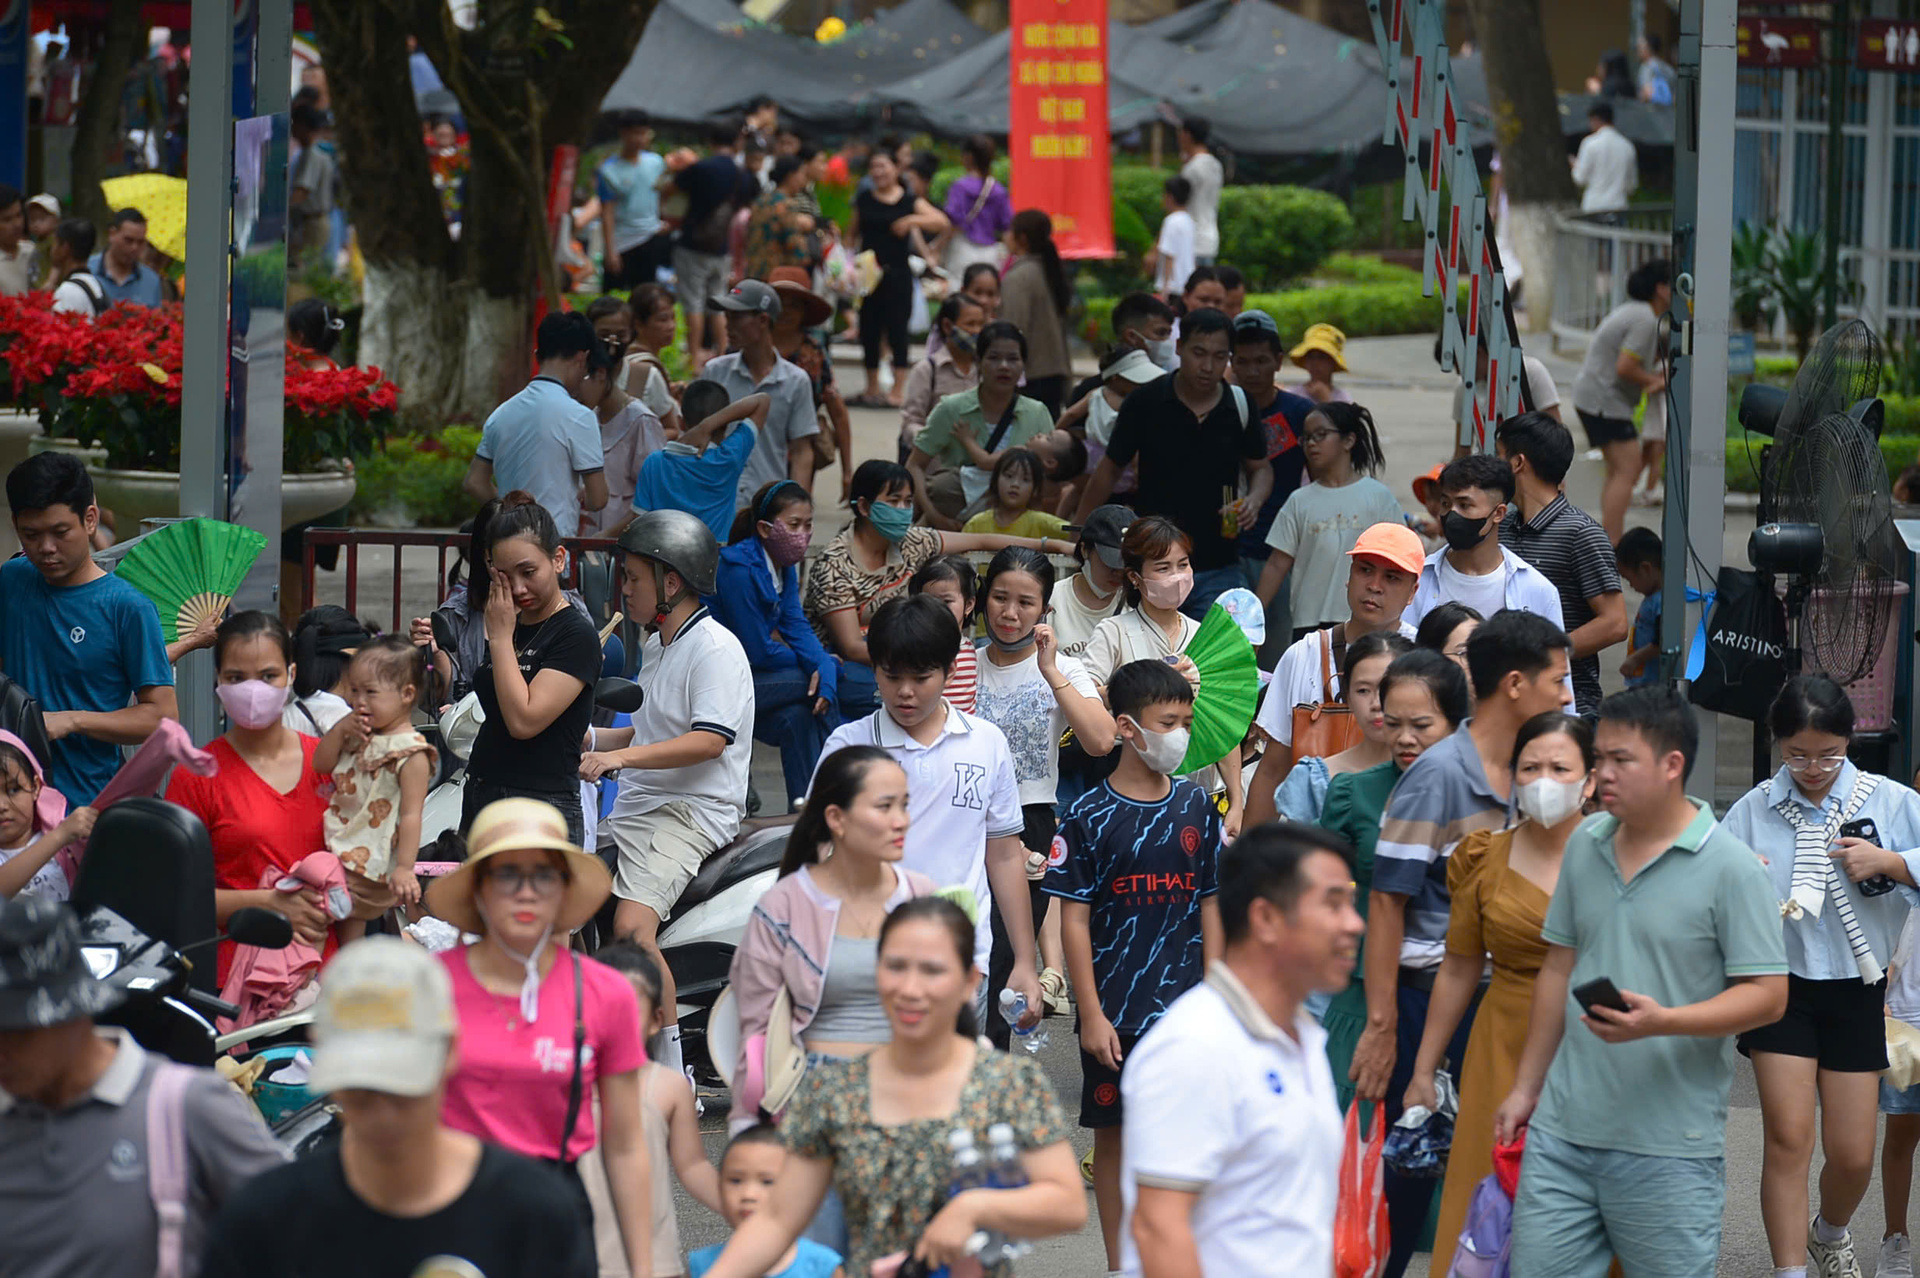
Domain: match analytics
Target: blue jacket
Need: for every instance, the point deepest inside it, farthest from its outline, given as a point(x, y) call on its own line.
point(747, 603)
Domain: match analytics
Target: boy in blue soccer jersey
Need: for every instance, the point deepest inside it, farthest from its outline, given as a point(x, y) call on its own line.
point(1136, 867)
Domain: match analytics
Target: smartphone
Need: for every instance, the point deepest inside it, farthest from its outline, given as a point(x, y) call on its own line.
point(1864, 828)
point(1600, 992)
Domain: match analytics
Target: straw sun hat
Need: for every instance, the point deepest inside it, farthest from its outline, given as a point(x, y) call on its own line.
point(514, 825)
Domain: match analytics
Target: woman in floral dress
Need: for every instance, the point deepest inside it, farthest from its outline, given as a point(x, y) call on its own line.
point(876, 1128)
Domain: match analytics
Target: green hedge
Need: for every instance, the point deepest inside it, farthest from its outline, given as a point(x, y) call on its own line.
point(1276, 234)
point(1354, 268)
point(421, 475)
point(1358, 310)
point(1899, 450)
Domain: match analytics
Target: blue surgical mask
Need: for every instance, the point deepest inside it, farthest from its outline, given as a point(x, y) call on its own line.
point(890, 522)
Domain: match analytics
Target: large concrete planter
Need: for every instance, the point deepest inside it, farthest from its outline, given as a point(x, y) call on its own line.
point(134, 495)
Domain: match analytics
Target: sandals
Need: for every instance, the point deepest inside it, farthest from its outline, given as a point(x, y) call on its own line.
point(870, 401)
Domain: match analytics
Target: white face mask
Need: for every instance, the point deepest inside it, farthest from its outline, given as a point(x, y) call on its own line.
point(1548, 802)
point(1161, 353)
point(1161, 751)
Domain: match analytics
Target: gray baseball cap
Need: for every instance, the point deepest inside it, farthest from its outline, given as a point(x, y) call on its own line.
point(753, 296)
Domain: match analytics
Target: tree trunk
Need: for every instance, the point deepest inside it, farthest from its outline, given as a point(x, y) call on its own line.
point(97, 121)
point(1533, 150)
point(450, 321)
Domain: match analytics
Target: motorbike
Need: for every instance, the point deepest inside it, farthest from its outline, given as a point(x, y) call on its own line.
point(145, 902)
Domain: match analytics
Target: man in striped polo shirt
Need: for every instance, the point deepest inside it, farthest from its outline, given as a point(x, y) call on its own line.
point(1565, 543)
point(1518, 664)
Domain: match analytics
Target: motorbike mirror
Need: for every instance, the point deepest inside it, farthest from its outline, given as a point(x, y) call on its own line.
point(442, 632)
point(622, 696)
point(263, 929)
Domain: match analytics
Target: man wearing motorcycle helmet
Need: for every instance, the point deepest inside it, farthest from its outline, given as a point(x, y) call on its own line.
point(80, 1175)
point(684, 762)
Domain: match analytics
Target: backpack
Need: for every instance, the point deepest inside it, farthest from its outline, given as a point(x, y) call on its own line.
point(167, 1165)
point(96, 295)
point(1486, 1240)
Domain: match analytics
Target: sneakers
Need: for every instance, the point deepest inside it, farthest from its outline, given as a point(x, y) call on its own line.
point(1053, 992)
point(1832, 1260)
point(1896, 1258)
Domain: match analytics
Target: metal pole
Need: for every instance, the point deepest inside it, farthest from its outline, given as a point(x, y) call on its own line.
point(1837, 61)
point(203, 392)
point(1695, 515)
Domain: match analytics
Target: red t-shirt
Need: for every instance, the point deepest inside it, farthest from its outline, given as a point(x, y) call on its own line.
point(513, 1079)
point(253, 825)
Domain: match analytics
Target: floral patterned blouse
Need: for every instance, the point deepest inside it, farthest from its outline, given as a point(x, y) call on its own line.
point(892, 1179)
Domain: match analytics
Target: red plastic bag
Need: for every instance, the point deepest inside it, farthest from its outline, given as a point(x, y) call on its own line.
point(1360, 1221)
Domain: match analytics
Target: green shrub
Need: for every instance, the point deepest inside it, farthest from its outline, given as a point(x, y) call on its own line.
point(1358, 310)
point(1354, 268)
point(419, 474)
point(1898, 450)
point(1280, 233)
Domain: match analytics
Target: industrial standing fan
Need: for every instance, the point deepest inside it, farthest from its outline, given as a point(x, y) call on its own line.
point(1826, 519)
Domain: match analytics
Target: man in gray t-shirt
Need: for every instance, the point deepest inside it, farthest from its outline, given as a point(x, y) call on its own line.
point(1623, 363)
point(75, 1159)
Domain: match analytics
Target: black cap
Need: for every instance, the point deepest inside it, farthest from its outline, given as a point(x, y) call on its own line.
point(1104, 530)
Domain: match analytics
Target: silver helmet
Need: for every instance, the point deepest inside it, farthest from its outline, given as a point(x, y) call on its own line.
point(674, 539)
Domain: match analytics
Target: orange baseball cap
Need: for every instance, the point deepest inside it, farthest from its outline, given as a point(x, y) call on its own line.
point(1422, 484)
point(1397, 544)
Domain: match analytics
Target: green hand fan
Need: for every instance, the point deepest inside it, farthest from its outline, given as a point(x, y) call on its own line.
point(190, 570)
point(1229, 689)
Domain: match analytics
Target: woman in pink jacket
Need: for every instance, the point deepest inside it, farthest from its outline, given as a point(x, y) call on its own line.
point(816, 931)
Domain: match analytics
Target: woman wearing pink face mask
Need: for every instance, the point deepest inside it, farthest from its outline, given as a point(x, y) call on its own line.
point(1158, 570)
point(262, 804)
point(796, 681)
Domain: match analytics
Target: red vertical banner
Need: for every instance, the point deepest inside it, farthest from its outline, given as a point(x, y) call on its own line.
point(1057, 134)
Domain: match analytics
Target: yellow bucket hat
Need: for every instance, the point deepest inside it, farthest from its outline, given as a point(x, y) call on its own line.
point(1326, 339)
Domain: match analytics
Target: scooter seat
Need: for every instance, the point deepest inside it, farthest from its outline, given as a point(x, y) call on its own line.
point(758, 847)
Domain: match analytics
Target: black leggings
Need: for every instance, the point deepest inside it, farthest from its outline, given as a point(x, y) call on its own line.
point(885, 312)
point(1038, 836)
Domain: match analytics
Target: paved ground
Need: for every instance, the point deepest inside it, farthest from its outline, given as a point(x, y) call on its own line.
point(1410, 398)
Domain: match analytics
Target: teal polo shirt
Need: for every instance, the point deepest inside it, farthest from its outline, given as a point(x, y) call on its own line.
point(1697, 916)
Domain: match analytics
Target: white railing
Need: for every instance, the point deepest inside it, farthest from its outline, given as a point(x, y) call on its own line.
point(1593, 255)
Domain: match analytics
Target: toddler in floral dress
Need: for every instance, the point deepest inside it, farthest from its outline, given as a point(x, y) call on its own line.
point(381, 768)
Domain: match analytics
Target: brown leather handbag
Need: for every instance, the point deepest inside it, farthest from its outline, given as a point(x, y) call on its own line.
point(1323, 728)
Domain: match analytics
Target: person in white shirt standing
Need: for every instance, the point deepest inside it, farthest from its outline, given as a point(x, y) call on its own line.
point(1171, 258)
point(1473, 568)
point(1240, 1176)
point(684, 762)
point(1201, 168)
point(543, 440)
point(1606, 169)
point(75, 290)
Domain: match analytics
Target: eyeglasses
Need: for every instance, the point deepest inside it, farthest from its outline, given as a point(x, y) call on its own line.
point(1315, 437)
point(1825, 763)
point(544, 879)
point(1457, 654)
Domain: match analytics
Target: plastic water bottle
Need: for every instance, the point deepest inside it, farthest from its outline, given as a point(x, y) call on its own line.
point(1013, 1005)
point(1004, 1171)
point(970, 1172)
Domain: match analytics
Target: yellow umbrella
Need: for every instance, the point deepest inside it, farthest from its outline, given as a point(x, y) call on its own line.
point(164, 201)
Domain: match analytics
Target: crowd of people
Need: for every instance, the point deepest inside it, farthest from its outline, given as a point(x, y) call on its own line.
point(1441, 872)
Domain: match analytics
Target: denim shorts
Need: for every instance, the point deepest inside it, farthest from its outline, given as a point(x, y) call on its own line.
point(1579, 1207)
point(1893, 1100)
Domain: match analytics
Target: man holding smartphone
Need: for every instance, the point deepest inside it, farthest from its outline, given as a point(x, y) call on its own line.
point(1626, 1111)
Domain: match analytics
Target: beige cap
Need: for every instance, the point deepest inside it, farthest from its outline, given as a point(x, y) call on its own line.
point(384, 1021)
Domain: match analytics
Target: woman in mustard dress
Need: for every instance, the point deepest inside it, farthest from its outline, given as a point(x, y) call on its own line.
point(1501, 882)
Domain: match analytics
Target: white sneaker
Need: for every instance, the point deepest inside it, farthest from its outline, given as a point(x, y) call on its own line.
point(1831, 1260)
point(1896, 1258)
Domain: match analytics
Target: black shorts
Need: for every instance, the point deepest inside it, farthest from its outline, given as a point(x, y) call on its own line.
point(1840, 1024)
point(1602, 431)
point(1100, 1086)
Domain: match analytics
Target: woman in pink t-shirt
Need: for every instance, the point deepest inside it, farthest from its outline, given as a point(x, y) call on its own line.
point(541, 1026)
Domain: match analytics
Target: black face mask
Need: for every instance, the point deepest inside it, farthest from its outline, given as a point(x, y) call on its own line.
point(1462, 532)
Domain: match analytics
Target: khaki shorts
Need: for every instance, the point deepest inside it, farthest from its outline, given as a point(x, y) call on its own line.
point(660, 852)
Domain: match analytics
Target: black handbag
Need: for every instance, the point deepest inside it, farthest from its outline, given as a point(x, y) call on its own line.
point(20, 715)
point(1739, 663)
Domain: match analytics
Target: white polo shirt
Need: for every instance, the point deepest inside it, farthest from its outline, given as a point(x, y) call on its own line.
point(1222, 1104)
point(701, 680)
point(1298, 681)
point(961, 792)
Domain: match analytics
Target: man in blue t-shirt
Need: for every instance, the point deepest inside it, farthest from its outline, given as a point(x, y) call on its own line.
point(699, 471)
point(82, 642)
point(1256, 367)
point(627, 183)
point(1136, 865)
